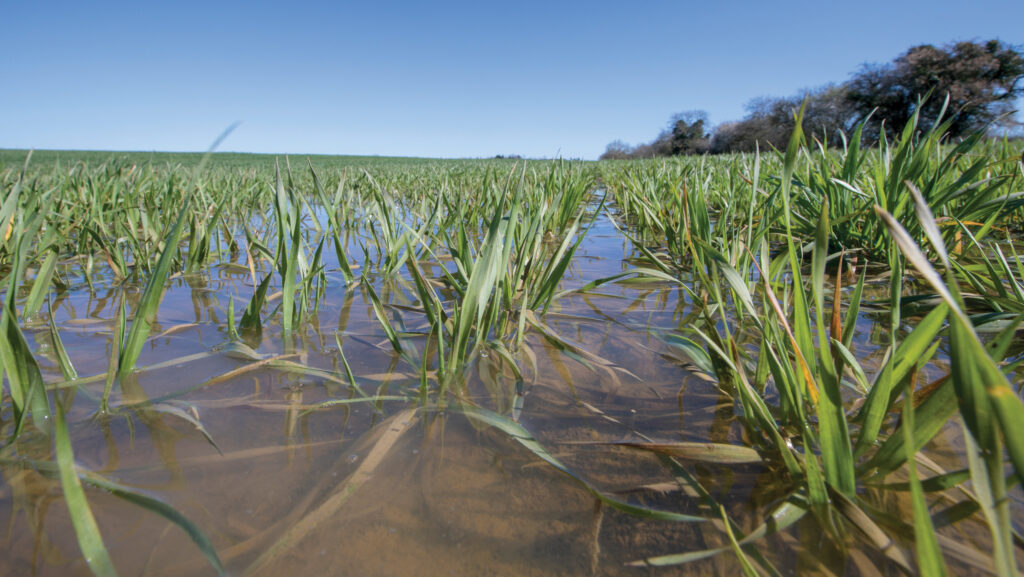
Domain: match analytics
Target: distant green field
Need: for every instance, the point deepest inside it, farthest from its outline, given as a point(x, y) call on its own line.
point(10, 158)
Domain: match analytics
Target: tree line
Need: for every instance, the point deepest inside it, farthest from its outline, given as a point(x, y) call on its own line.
point(981, 80)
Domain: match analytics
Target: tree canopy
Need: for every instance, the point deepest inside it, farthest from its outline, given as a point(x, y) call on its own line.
point(981, 80)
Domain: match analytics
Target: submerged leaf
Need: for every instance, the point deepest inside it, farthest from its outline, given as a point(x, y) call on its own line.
point(88, 533)
point(392, 430)
point(523, 437)
point(718, 453)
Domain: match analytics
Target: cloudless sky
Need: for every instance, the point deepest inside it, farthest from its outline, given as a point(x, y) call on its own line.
point(439, 79)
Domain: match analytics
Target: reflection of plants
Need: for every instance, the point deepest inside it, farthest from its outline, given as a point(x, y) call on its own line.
point(21, 457)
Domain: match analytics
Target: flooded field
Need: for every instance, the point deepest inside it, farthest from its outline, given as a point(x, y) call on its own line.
point(481, 369)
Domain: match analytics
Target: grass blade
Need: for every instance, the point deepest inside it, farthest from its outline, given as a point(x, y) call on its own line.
point(88, 533)
point(929, 557)
point(66, 368)
point(149, 303)
point(157, 506)
point(24, 379)
point(516, 431)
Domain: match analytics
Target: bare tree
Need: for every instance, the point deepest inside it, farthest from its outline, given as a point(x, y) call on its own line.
point(616, 149)
point(770, 121)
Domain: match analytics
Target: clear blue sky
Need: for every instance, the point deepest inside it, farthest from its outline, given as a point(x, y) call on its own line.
point(442, 79)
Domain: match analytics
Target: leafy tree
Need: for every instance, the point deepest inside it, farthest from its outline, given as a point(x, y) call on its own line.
point(686, 134)
point(981, 79)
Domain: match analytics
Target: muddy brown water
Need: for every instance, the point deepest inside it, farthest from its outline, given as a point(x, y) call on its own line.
point(444, 495)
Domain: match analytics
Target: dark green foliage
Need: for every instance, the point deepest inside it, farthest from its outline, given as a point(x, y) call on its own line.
point(687, 133)
point(981, 79)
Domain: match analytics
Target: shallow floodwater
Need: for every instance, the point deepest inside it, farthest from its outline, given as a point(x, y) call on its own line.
point(396, 487)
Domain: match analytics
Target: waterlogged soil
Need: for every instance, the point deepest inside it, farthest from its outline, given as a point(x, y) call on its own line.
point(401, 487)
